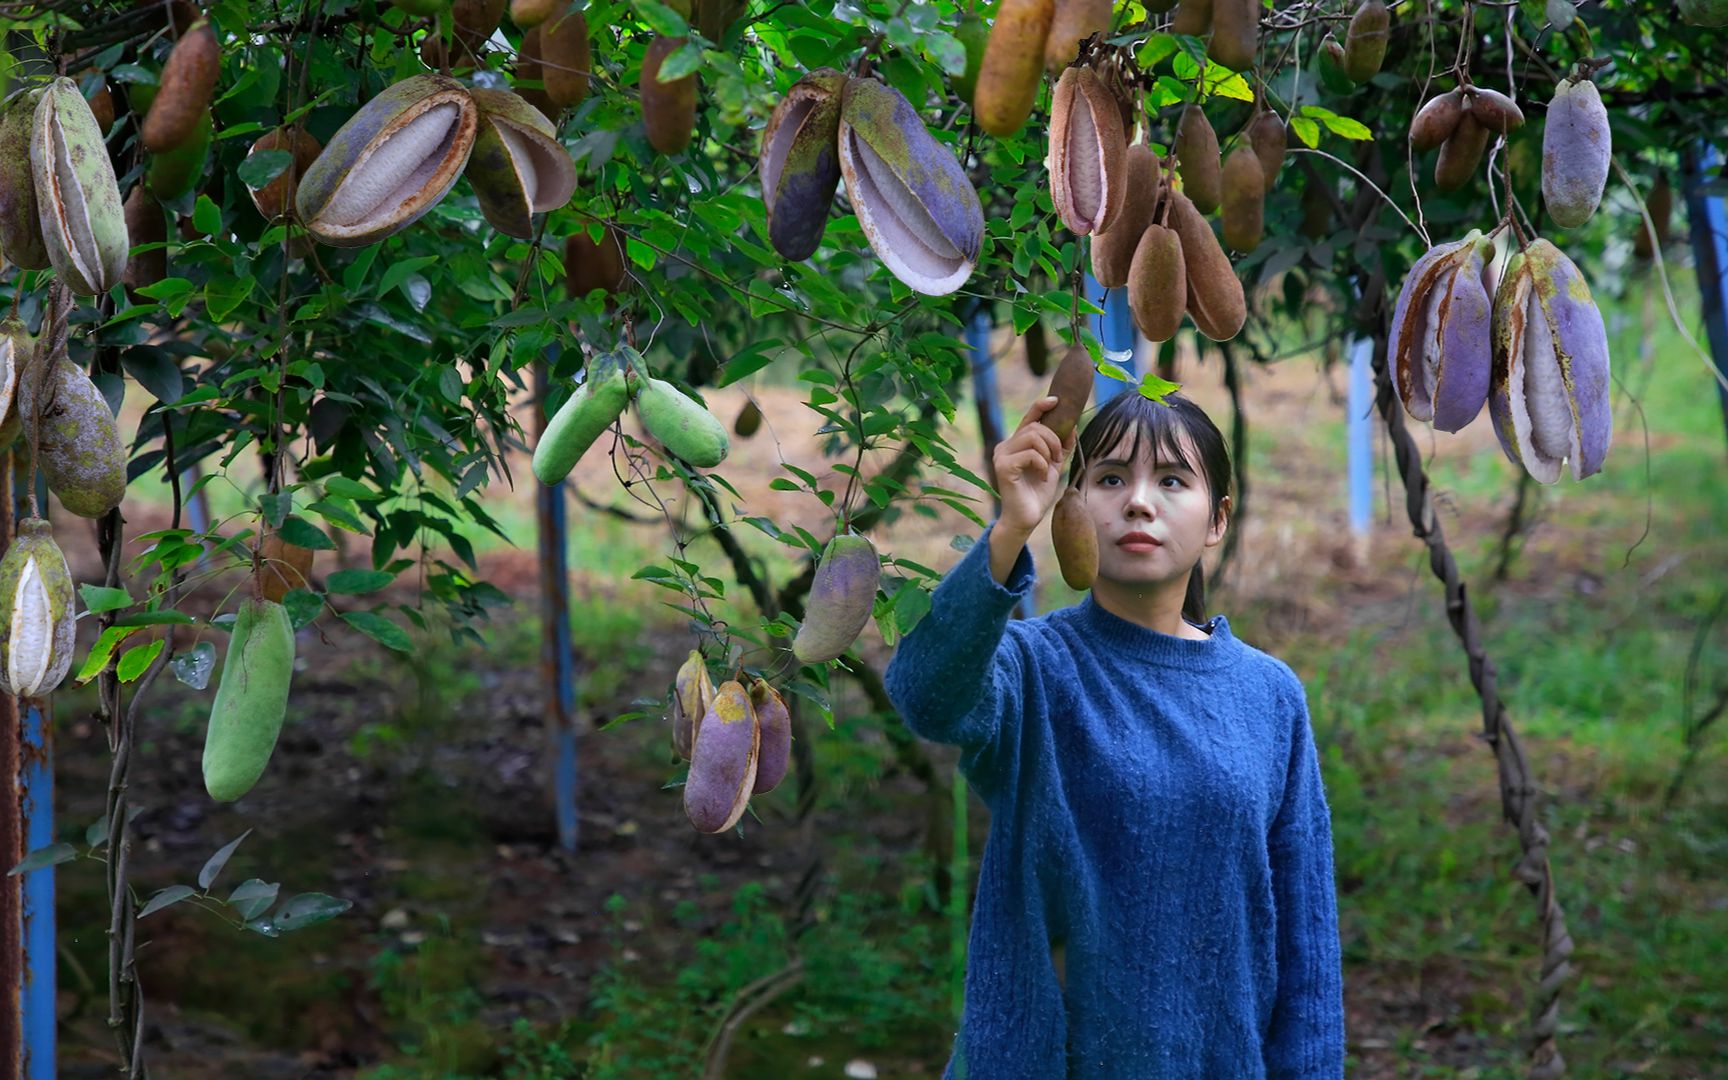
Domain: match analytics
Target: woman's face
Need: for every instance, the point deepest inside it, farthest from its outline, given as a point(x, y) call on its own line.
point(1167, 502)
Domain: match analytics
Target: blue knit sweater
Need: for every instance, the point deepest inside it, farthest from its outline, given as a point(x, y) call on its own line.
point(1156, 804)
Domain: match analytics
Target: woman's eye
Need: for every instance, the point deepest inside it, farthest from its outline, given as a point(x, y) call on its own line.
point(1178, 479)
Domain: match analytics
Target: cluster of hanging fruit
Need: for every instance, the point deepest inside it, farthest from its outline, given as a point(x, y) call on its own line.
point(738, 741)
point(1523, 334)
point(914, 202)
point(682, 425)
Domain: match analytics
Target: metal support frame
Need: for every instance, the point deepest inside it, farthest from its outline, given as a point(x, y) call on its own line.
point(1709, 229)
point(28, 957)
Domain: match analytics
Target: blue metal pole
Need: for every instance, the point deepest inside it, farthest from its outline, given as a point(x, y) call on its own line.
point(989, 400)
point(1360, 436)
point(1709, 227)
point(557, 664)
point(1115, 332)
point(36, 991)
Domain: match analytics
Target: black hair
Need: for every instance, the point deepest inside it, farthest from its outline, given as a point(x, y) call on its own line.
point(1163, 423)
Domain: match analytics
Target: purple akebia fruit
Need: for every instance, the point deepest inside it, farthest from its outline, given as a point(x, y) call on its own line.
point(1549, 395)
point(774, 748)
point(799, 165)
point(723, 761)
point(842, 597)
point(692, 694)
point(1575, 148)
point(914, 202)
point(1442, 334)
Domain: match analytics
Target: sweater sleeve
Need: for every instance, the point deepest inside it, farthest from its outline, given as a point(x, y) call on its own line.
point(1306, 1040)
point(953, 677)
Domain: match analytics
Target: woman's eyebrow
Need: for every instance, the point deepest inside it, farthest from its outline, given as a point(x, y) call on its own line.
point(1168, 466)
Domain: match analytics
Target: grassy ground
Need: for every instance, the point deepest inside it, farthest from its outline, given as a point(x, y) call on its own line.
point(1591, 633)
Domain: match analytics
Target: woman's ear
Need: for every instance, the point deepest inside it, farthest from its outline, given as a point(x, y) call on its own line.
point(1219, 523)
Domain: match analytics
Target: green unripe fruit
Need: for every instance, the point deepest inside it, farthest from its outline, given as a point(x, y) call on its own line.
point(842, 596)
point(682, 425)
point(581, 419)
point(251, 699)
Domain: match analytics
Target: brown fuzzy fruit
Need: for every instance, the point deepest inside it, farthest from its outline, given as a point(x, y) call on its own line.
point(1072, 386)
point(282, 567)
point(1197, 160)
point(1113, 249)
point(183, 96)
point(1235, 33)
point(1460, 154)
point(1158, 284)
point(1495, 111)
point(1008, 79)
point(1215, 299)
point(145, 224)
point(565, 58)
point(531, 13)
point(102, 105)
point(1436, 120)
point(1365, 42)
point(276, 198)
point(1075, 539)
point(1270, 141)
point(1192, 17)
point(668, 108)
point(1244, 199)
point(529, 69)
point(589, 265)
point(1074, 22)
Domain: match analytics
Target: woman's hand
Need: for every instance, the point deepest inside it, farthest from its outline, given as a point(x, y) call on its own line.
point(1028, 467)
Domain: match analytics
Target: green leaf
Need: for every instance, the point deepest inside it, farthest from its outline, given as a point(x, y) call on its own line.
point(685, 59)
point(379, 629)
point(262, 167)
point(662, 19)
point(103, 651)
point(138, 659)
point(207, 217)
point(1306, 130)
point(253, 897)
point(223, 293)
point(343, 488)
point(303, 533)
point(1157, 49)
point(213, 867)
point(99, 598)
point(308, 909)
point(399, 272)
point(173, 894)
point(52, 855)
point(1348, 128)
point(357, 581)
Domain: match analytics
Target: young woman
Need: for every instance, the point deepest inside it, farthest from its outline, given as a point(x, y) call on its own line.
point(1156, 808)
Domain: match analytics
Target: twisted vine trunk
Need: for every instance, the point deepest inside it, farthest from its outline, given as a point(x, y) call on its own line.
point(1517, 784)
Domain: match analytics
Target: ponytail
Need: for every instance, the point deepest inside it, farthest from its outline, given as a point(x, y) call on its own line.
point(1194, 604)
